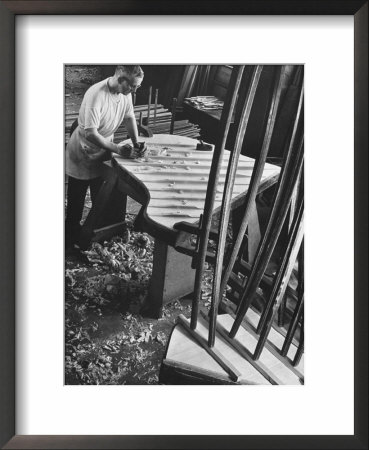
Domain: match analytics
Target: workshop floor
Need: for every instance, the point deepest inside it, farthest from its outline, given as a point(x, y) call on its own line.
point(106, 339)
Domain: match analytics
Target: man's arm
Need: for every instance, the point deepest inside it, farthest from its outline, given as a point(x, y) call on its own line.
point(95, 137)
point(131, 125)
point(108, 147)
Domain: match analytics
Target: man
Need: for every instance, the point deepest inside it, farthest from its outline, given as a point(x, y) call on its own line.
point(105, 105)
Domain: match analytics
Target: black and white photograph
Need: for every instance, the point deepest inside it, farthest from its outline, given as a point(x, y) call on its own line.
point(184, 224)
point(159, 159)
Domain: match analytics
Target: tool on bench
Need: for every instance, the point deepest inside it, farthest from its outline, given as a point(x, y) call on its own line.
point(132, 151)
point(139, 146)
point(203, 146)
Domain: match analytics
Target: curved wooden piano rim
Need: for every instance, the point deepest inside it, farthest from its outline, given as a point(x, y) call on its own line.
point(139, 191)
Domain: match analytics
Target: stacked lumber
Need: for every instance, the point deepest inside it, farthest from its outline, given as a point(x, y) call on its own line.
point(158, 122)
point(205, 102)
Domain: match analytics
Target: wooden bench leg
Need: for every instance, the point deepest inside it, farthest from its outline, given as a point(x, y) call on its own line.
point(253, 230)
point(172, 278)
point(254, 234)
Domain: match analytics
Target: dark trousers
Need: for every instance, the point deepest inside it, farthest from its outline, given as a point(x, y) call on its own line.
point(76, 195)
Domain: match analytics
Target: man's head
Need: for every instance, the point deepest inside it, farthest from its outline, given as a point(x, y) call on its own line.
point(129, 78)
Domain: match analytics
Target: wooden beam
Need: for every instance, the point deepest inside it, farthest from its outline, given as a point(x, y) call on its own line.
point(218, 284)
point(213, 352)
point(227, 112)
point(244, 352)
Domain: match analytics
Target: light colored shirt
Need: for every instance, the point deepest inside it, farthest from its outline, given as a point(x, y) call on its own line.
point(104, 111)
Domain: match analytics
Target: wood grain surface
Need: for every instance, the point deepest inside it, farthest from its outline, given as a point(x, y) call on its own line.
point(176, 176)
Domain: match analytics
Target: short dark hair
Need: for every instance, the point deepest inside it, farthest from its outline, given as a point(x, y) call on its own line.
point(133, 71)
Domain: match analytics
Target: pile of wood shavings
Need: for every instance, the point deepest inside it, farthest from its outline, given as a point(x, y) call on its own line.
point(107, 341)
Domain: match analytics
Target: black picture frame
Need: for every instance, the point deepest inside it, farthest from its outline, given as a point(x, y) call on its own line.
point(8, 10)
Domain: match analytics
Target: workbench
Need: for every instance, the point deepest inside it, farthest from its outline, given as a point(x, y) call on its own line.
point(170, 184)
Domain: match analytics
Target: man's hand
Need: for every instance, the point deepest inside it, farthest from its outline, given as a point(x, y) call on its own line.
point(127, 151)
point(139, 150)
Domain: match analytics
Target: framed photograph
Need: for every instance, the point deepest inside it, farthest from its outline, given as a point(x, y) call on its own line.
point(47, 49)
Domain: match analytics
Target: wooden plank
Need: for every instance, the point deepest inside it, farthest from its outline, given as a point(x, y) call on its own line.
point(274, 343)
point(175, 195)
point(169, 221)
point(175, 171)
point(246, 353)
point(190, 212)
point(177, 166)
point(250, 209)
point(227, 112)
point(254, 234)
point(186, 178)
point(300, 350)
point(185, 188)
point(199, 186)
point(178, 372)
point(290, 174)
point(230, 181)
point(282, 277)
point(183, 349)
point(299, 310)
point(269, 365)
point(232, 371)
point(299, 307)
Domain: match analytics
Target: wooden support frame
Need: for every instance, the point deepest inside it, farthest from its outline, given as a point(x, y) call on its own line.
point(260, 367)
point(172, 278)
point(287, 187)
point(282, 278)
point(250, 199)
point(226, 117)
point(299, 310)
point(268, 344)
point(286, 183)
point(174, 372)
point(280, 273)
point(227, 198)
point(297, 316)
point(219, 358)
point(300, 350)
point(269, 241)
